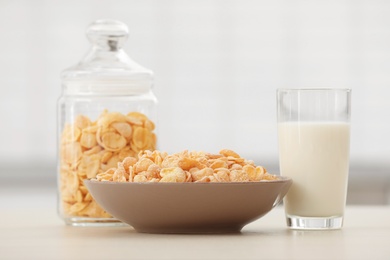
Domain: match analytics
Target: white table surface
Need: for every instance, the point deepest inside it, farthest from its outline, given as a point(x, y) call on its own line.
point(31, 229)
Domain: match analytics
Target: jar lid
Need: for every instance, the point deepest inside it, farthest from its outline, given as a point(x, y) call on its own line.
point(107, 69)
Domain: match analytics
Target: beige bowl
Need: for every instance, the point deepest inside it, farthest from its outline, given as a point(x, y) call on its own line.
point(188, 207)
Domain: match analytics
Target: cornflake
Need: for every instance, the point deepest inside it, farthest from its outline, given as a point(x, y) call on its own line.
point(106, 150)
point(157, 166)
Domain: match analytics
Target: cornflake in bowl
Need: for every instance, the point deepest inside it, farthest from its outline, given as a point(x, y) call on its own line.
point(188, 192)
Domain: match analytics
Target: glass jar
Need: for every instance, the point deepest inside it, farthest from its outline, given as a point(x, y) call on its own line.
point(106, 112)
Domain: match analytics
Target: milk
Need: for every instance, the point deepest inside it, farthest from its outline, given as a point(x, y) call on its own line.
point(316, 157)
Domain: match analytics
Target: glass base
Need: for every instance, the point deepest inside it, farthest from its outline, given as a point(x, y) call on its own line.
point(93, 222)
point(314, 223)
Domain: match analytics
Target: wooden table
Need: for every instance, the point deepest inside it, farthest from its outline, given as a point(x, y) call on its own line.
point(36, 232)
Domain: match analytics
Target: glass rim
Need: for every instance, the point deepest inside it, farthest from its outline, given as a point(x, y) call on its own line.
point(314, 89)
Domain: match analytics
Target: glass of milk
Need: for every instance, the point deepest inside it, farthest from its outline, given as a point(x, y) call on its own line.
point(314, 133)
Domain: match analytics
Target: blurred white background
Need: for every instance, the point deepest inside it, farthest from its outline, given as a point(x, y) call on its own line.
point(217, 66)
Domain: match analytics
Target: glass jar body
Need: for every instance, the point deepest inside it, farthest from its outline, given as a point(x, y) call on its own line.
point(95, 132)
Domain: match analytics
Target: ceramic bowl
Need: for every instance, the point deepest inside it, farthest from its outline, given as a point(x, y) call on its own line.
point(188, 207)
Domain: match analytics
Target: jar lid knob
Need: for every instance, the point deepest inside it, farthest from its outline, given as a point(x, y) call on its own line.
point(107, 34)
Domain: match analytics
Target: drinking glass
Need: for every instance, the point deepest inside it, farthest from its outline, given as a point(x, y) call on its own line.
point(314, 140)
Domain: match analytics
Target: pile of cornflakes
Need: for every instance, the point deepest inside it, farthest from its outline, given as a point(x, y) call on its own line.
point(90, 148)
point(156, 166)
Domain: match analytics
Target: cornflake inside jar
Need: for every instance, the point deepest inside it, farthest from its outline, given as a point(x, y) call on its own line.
point(91, 148)
point(157, 166)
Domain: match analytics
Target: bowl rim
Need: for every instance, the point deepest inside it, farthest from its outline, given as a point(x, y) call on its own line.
point(281, 179)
